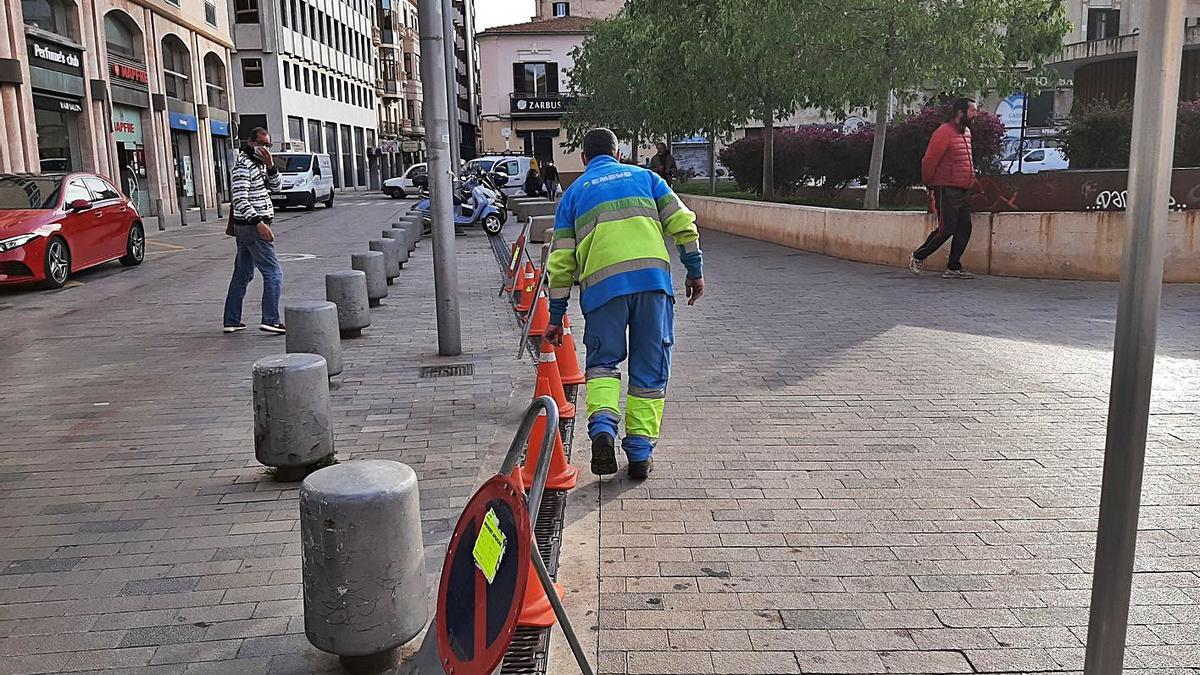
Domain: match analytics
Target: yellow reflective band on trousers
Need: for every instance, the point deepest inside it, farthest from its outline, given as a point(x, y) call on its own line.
point(604, 393)
point(643, 416)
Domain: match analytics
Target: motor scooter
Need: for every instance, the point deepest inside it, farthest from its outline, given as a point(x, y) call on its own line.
point(474, 204)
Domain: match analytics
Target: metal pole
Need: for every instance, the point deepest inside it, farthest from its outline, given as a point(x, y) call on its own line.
point(452, 84)
point(1156, 101)
point(437, 139)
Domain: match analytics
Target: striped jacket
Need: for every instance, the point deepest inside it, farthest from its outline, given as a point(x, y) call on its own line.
point(251, 187)
point(608, 235)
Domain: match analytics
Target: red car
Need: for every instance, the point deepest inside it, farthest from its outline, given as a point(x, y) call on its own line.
point(53, 225)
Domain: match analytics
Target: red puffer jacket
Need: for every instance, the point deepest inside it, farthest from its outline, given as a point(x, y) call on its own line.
point(948, 161)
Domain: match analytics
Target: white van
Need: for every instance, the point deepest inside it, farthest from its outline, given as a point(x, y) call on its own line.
point(403, 186)
point(513, 166)
point(307, 178)
point(1037, 160)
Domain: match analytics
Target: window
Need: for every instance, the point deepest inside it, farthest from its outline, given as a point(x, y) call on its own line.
point(535, 79)
point(252, 73)
point(176, 66)
point(315, 140)
point(321, 27)
point(249, 123)
point(1036, 156)
point(210, 12)
point(303, 19)
point(287, 75)
point(49, 15)
point(283, 12)
point(562, 9)
point(214, 81)
point(296, 75)
point(102, 190)
point(307, 81)
point(295, 131)
point(77, 190)
point(324, 87)
point(120, 36)
point(1103, 23)
point(245, 11)
point(295, 13)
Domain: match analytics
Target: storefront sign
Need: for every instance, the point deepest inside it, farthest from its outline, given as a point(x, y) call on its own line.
point(183, 122)
point(410, 146)
point(539, 105)
point(218, 128)
point(61, 105)
point(54, 56)
point(127, 125)
point(130, 74)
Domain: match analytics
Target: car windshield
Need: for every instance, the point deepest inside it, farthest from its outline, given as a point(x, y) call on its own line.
point(28, 192)
point(293, 163)
point(485, 164)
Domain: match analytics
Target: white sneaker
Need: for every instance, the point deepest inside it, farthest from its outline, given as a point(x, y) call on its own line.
point(914, 265)
point(957, 274)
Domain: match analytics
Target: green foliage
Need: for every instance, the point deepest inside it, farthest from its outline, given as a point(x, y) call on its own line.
point(1098, 135)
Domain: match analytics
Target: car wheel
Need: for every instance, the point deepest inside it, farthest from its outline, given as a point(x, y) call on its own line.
point(492, 224)
point(135, 246)
point(394, 193)
point(311, 203)
point(329, 202)
point(58, 263)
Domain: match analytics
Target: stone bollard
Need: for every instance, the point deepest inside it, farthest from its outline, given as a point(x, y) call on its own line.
point(313, 329)
point(374, 265)
point(292, 429)
point(348, 290)
point(412, 227)
point(401, 242)
point(365, 592)
point(390, 249)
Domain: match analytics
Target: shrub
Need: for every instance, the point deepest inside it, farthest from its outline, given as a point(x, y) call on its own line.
point(907, 139)
point(836, 158)
point(1097, 135)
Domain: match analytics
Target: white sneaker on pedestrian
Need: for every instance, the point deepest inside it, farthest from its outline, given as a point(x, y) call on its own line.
point(914, 265)
point(276, 328)
point(957, 274)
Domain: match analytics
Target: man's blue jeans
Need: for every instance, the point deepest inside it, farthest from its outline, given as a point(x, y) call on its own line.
point(252, 252)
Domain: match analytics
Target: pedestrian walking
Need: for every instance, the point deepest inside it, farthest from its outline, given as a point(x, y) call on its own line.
point(250, 218)
point(948, 172)
point(608, 235)
point(550, 180)
point(663, 164)
point(533, 183)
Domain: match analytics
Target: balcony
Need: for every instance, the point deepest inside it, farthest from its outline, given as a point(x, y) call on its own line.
point(544, 106)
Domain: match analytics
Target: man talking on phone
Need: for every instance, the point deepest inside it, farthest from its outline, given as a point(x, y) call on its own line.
point(254, 178)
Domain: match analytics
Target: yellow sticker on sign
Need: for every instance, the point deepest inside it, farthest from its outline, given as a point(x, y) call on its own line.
point(489, 546)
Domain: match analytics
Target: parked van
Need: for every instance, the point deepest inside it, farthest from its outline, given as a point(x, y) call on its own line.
point(513, 166)
point(1037, 160)
point(404, 186)
point(307, 178)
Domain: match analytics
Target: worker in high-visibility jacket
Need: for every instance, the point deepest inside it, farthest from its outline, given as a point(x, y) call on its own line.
point(609, 235)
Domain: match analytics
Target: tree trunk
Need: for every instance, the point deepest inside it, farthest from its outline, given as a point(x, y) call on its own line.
point(636, 143)
point(768, 188)
point(712, 163)
point(883, 112)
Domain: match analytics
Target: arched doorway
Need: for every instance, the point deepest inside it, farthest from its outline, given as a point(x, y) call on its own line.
point(216, 83)
point(130, 94)
point(179, 89)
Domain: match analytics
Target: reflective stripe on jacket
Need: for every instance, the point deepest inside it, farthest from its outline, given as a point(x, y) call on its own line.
point(608, 234)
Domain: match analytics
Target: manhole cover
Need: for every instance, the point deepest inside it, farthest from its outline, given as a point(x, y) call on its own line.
point(456, 370)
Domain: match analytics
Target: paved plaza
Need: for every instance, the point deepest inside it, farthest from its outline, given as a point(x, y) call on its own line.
point(860, 471)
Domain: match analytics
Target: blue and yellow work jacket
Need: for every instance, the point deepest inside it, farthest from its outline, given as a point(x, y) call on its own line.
point(608, 235)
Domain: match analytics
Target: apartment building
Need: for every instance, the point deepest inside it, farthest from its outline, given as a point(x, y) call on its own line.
point(592, 9)
point(305, 70)
point(138, 92)
point(398, 86)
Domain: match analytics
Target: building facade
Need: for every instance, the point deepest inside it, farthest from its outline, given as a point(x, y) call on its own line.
point(466, 70)
point(138, 92)
point(398, 87)
point(525, 84)
point(305, 70)
point(592, 9)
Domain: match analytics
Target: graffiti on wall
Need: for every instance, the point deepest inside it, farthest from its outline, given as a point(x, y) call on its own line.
point(1074, 191)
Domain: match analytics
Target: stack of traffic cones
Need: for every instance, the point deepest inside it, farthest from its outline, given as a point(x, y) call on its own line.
point(540, 318)
point(548, 370)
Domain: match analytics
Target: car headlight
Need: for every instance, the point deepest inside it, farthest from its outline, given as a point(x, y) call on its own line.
point(17, 241)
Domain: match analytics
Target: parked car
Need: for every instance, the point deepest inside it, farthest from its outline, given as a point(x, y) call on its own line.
point(1037, 160)
point(307, 178)
point(407, 184)
point(54, 225)
point(513, 166)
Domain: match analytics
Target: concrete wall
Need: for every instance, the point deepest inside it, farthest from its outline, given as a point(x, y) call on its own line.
point(1056, 245)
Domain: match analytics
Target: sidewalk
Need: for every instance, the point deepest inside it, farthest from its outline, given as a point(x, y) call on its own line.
point(865, 472)
point(140, 534)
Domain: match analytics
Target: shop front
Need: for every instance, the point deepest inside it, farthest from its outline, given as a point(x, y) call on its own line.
point(222, 148)
point(184, 144)
point(130, 105)
point(56, 78)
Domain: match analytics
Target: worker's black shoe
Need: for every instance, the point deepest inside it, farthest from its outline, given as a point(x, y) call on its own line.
point(641, 470)
point(604, 455)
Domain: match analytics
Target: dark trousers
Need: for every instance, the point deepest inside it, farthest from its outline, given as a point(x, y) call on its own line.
point(952, 206)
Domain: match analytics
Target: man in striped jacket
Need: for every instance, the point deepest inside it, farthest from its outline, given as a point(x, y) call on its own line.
point(254, 178)
point(608, 235)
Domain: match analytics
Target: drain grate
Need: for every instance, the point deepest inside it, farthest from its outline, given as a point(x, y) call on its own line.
point(455, 370)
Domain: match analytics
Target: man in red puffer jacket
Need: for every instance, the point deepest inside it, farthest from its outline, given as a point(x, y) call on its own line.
point(948, 172)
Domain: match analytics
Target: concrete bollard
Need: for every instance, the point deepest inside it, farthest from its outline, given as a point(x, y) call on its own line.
point(292, 428)
point(390, 249)
point(376, 268)
point(365, 592)
point(313, 329)
point(348, 290)
point(400, 236)
point(412, 227)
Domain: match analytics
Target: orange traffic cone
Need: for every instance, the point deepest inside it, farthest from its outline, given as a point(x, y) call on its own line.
point(567, 358)
point(513, 283)
point(541, 317)
point(562, 475)
point(536, 610)
point(548, 368)
point(545, 387)
point(527, 288)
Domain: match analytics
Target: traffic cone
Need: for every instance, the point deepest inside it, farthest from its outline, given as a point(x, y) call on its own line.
point(536, 610)
point(548, 369)
point(562, 475)
point(541, 317)
point(511, 282)
point(567, 358)
point(528, 284)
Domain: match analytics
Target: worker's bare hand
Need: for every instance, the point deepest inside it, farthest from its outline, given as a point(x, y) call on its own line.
point(694, 289)
point(553, 334)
